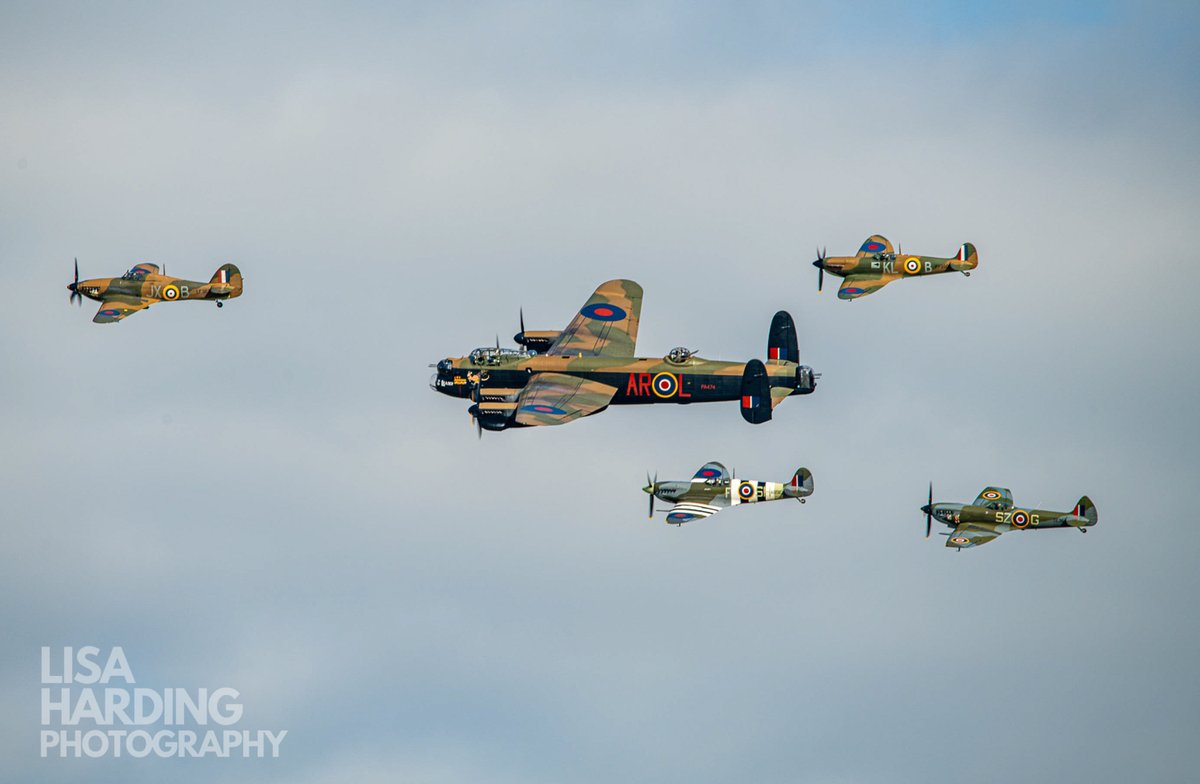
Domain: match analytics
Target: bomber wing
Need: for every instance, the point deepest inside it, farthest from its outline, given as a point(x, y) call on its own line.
point(114, 309)
point(607, 324)
point(555, 399)
point(876, 243)
point(688, 511)
point(971, 535)
point(855, 286)
point(995, 498)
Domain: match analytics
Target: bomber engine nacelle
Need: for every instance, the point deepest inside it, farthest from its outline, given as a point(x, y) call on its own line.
point(538, 341)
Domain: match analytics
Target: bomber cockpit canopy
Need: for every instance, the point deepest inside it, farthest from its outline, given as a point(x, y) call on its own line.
point(489, 356)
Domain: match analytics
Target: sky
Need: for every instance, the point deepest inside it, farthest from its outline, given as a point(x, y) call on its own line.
point(270, 497)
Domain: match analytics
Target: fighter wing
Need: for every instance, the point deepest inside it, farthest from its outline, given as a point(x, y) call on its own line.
point(855, 286)
point(555, 399)
point(971, 535)
point(116, 308)
point(606, 325)
point(711, 471)
point(876, 243)
point(995, 498)
point(689, 511)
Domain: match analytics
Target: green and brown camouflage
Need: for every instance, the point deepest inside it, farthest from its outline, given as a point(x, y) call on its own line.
point(145, 285)
point(713, 488)
point(876, 264)
point(591, 365)
point(993, 513)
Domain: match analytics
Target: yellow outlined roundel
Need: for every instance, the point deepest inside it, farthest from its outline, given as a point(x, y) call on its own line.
point(170, 292)
point(1019, 519)
point(912, 265)
point(664, 385)
point(959, 540)
point(991, 495)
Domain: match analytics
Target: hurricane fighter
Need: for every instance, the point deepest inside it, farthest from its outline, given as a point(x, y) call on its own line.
point(558, 377)
point(993, 513)
point(145, 285)
point(713, 488)
point(876, 264)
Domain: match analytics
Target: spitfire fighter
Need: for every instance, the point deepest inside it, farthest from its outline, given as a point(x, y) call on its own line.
point(877, 264)
point(144, 286)
point(558, 377)
point(713, 489)
point(993, 513)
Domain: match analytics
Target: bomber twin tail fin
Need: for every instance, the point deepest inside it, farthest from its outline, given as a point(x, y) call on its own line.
point(756, 393)
point(782, 344)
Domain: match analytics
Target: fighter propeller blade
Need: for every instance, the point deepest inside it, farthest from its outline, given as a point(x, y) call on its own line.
point(76, 297)
point(651, 486)
point(820, 265)
point(929, 512)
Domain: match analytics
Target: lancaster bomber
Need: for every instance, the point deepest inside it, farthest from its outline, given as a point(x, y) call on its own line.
point(877, 264)
point(993, 513)
point(713, 488)
point(145, 285)
point(555, 378)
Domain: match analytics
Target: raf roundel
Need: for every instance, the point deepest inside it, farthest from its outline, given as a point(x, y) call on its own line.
point(603, 311)
point(746, 490)
point(991, 495)
point(1020, 518)
point(542, 408)
point(665, 385)
point(853, 291)
point(959, 540)
point(679, 517)
point(912, 265)
point(871, 246)
point(170, 292)
point(110, 312)
point(706, 473)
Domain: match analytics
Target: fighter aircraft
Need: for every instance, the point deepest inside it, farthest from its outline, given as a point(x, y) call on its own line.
point(591, 365)
point(992, 514)
point(144, 286)
point(877, 265)
point(713, 489)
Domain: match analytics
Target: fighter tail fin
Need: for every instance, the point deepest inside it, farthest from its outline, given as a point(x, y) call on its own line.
point(1086, 509)
point(966, 259)
point(756, 393)
point(229, 278)
point(782, 345)
point(801, 484)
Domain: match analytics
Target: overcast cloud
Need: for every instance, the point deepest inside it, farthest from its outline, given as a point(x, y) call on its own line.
point(270, 497)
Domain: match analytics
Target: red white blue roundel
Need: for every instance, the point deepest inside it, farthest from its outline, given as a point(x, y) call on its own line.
point(707, 473)
point(959, 540)
point(680, 517)
point(665, 385)
point(853, 291)
point(542, 408)
point(603, 311)
point(110, 312)
point(872, 246)
point(746, 491)
point(1020, 518)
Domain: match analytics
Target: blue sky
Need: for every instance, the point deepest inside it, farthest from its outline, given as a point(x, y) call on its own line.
point(270, 497)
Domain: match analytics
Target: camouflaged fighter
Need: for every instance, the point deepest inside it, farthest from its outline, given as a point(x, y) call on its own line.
point(877, 265)
point(558, 377)
point(144, 286)
point(992, 514)
point(713, 489)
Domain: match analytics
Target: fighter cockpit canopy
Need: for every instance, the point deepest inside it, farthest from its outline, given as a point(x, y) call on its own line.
point(494, 355)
